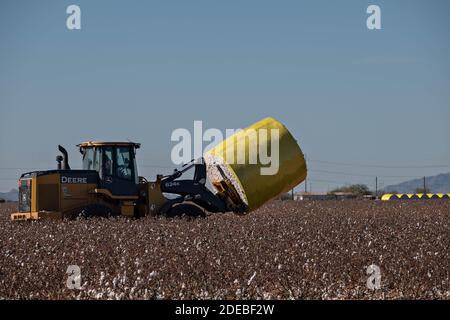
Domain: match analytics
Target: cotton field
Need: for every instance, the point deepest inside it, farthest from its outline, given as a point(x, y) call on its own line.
point(285, 250)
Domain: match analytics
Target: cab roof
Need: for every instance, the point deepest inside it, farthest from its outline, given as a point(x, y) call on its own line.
point(88, 144)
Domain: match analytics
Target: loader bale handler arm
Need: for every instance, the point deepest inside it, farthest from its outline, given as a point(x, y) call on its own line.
point(193, 190)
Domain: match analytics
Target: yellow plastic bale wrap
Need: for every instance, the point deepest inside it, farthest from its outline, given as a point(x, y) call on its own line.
point(254, 181)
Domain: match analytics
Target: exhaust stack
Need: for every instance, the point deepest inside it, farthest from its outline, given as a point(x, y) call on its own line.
point(65, 160)
point(59, 159)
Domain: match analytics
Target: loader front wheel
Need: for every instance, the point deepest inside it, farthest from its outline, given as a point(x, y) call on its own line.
point(95, 210)
point(187, 210)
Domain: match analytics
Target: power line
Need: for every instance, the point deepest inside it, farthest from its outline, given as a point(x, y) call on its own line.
point(379, 166)
point(358, 175)
point(309, 160)
point(312, 170)
point(328, 181)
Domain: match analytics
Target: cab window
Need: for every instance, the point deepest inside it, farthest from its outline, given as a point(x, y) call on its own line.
point(108, 162)
point(92, 159)
point(97, 159)
point(124, 163)
point(88, 159)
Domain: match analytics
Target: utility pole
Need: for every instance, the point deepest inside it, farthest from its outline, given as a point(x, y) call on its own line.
point(306, 178)
point(425, 185)
point(376, 188)
point(292, 193)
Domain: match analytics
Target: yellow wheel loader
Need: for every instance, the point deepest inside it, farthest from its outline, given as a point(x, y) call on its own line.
point(108, 185)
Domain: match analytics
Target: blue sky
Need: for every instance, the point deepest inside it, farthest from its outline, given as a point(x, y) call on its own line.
point(140, 69)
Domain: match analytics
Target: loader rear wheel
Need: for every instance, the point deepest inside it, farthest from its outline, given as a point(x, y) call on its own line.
point(187, 210)
point(95, 210)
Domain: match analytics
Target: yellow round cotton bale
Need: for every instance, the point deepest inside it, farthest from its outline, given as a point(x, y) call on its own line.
point(258, 163)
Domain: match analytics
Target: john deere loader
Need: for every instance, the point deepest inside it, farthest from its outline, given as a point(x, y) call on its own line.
point(108, 183)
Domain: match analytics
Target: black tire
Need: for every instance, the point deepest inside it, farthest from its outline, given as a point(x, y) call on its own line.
point(186, 210)
point(95, 210)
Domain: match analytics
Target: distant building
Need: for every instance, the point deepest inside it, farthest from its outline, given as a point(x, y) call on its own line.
point(344, 195)
point(312, 196)
point(2, 200)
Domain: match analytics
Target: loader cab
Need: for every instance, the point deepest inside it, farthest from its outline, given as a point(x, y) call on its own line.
point(115, 163)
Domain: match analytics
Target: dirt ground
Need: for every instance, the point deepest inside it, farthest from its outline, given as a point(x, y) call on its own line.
point(285, 250)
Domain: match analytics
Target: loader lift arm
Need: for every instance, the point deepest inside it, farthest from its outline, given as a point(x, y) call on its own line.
point(193, 190)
